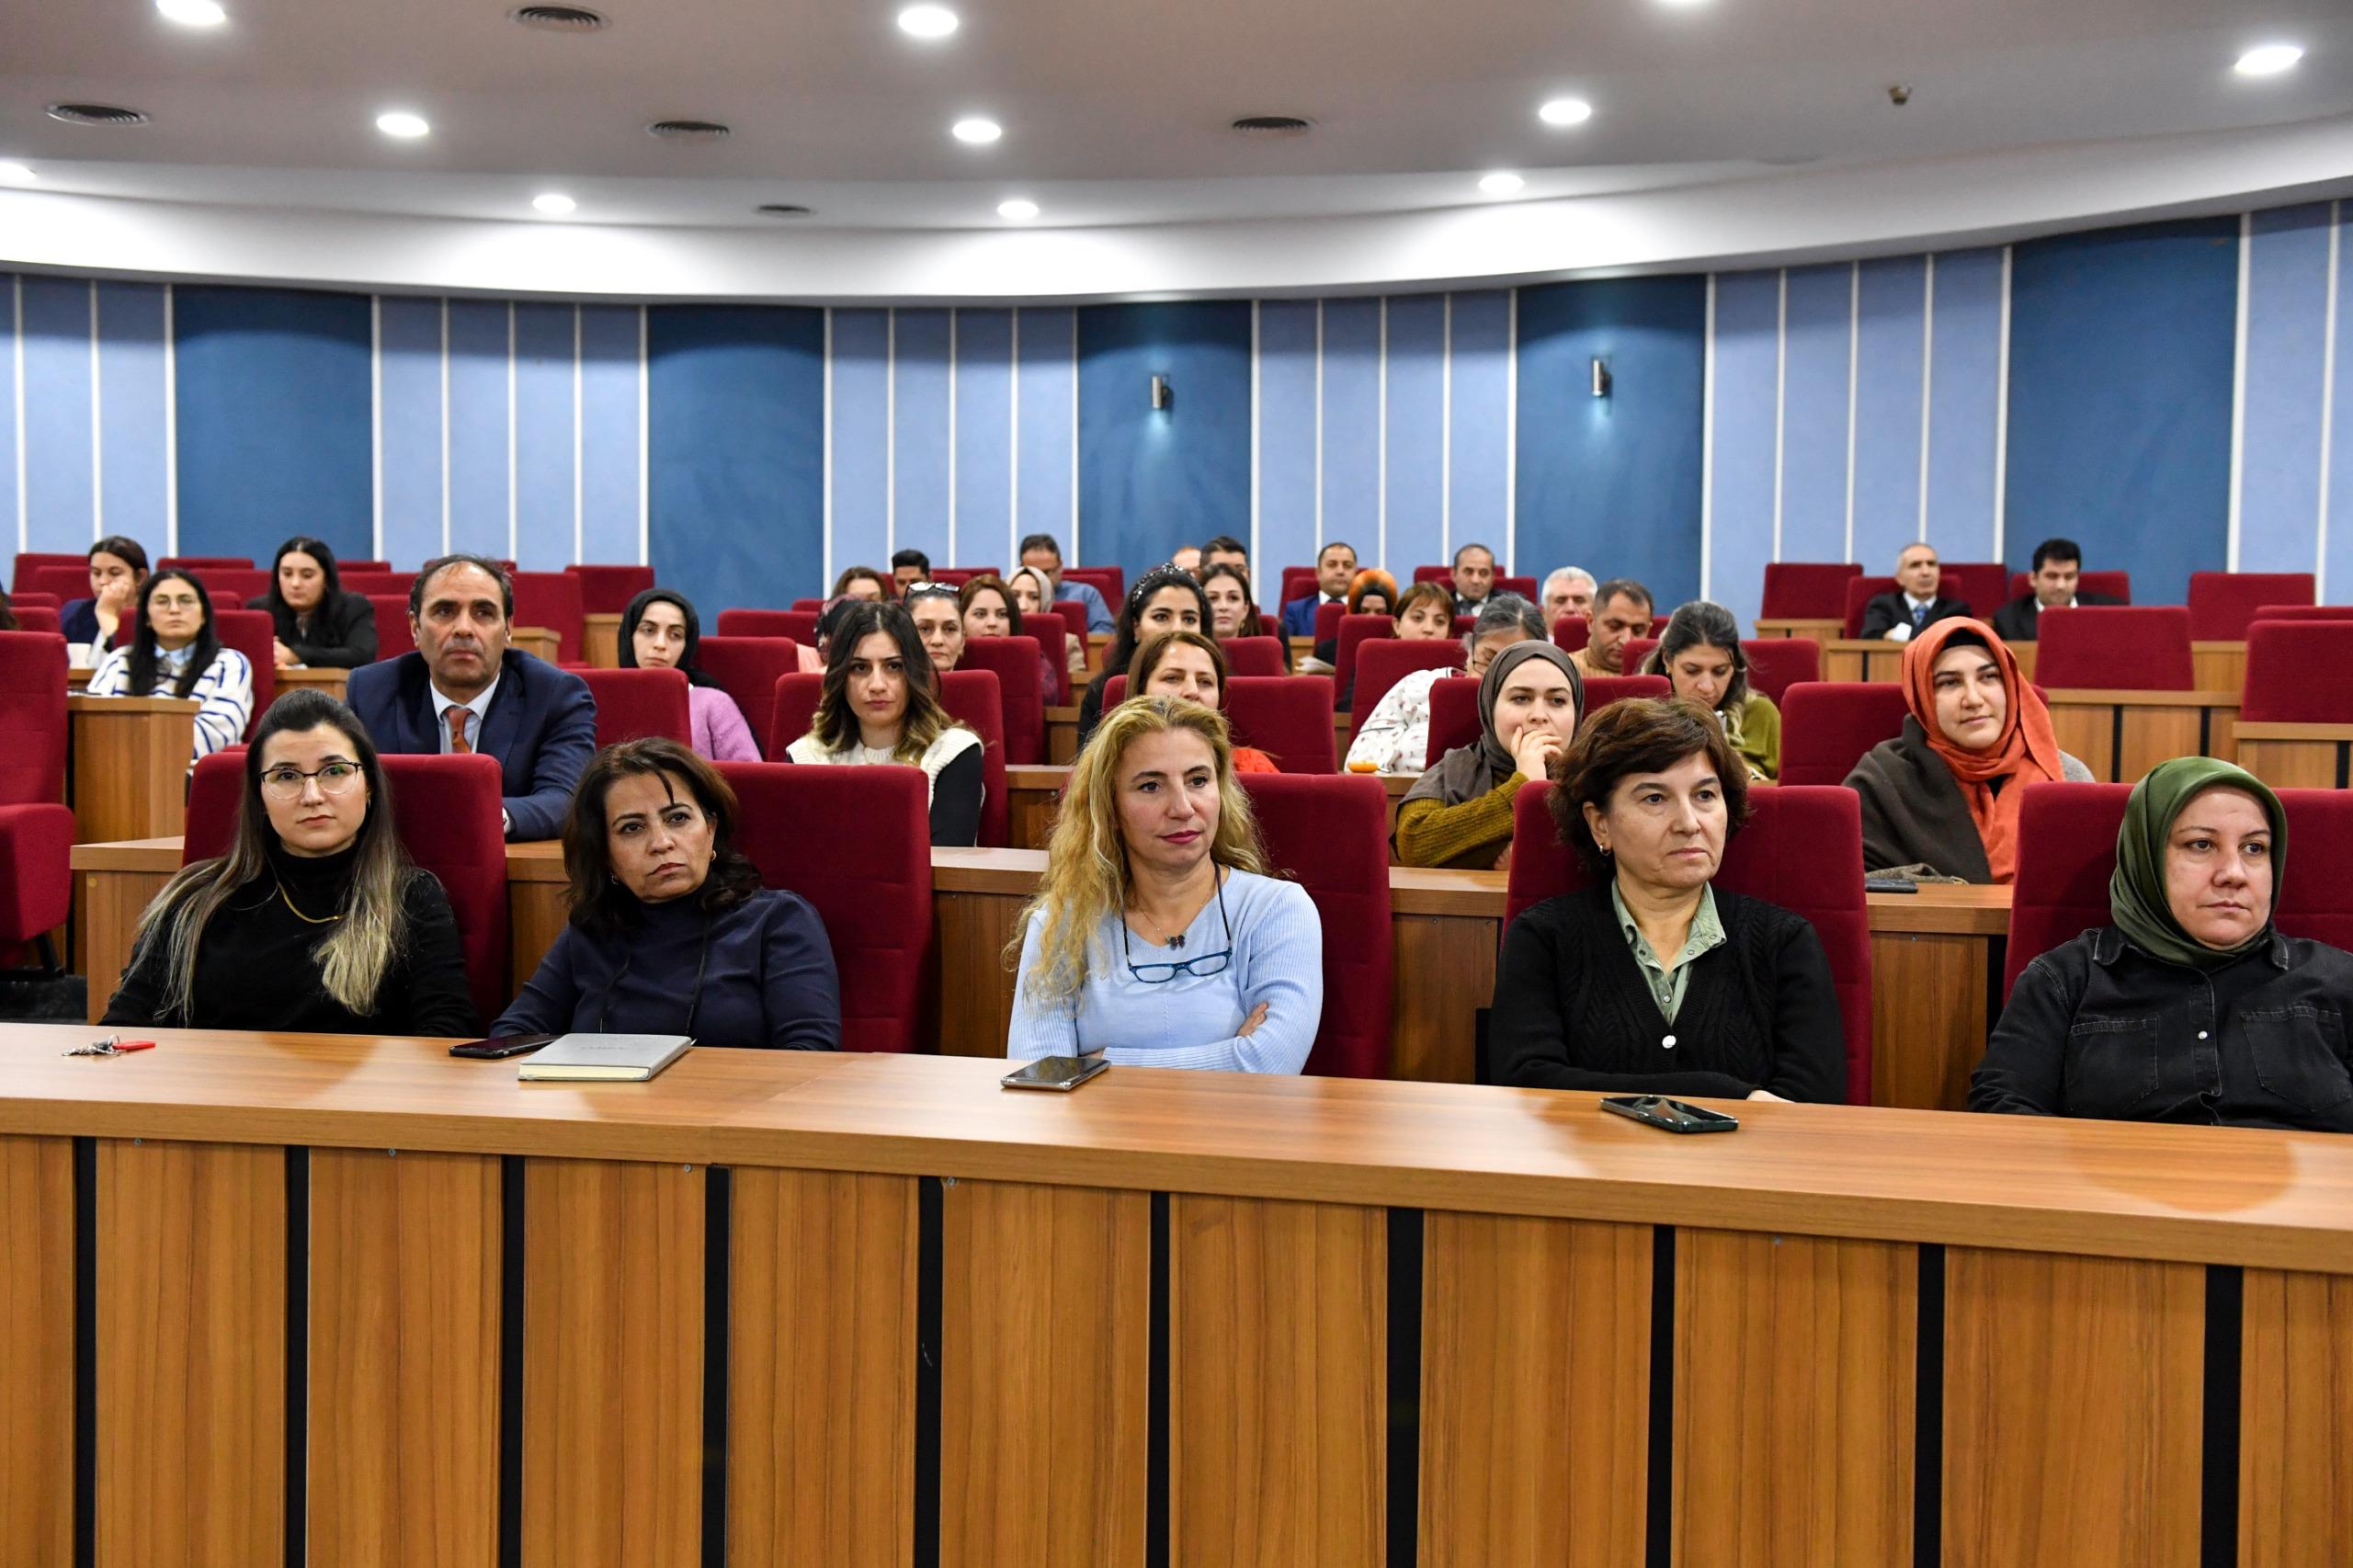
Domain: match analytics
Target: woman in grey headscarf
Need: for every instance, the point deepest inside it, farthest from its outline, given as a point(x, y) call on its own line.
point(1460, 814)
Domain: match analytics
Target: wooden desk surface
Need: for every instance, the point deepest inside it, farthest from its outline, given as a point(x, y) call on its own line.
point(2107, 698)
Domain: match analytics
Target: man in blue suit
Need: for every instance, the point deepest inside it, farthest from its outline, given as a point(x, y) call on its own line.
point(464, 690)
point(1334, 566)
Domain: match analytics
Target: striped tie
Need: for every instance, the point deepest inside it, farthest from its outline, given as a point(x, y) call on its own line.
point(458, 717)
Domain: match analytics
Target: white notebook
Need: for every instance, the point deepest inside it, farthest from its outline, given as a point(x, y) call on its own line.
point(603, 1058)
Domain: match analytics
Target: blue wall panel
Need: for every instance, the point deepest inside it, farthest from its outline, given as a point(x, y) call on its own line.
point(12, 517)
point(1964, 404)
point(482, 428)
point(408, 414)
point(2287, 297)
point(276, 419)
point(2120, 369)
point(983, 439)
point(1748, 313)
point(1287, 443)
point(1045, 460)
point(861, 437)
point(61, 489)
point(134, 438)
point(1417, 443)
point(736, 431)
point(1478, 483)
point(2337, 556)
point(610, 434)
point(1814, 413)
point(545, 514)
point(1613, 483)
point(1351, 457)
point(919, 434)
point(1889, 374)
point(1152, 479)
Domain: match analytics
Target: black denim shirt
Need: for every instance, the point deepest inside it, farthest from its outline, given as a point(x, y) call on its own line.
point(2096, 1028)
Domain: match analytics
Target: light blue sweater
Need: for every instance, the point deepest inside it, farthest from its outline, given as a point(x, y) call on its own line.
point(1191, 1020)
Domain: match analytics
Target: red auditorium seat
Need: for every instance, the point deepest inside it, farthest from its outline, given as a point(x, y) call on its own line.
point(36, 826)
point(1861, 591)
point(1572, 632)
point(341, 566)
point(36, 618)
point(371, 584)
point(607, 590)
point(2223, 604)
point(811, 606)
point(1052, 633)
point(1013, 662)
point(1072, 615)
point(1254, 656)
point(1327, 620)
point(1637, 652)
point(792, 711)
point(1524, 586)
point(1111, 582)
point(963, 575)
point(29, 562)
point(1600, 691)
point(2114, 648)
point(633, 705)
point(37, 600)
point(801, 625)
point(553, 599)
point(748, 668)
point(974, 700)
point(1298, 581)
point(2299, 672)
point(1288, 717)
point(1827, 726)
point(1977, 584)
point(1802, 850)
point(1331, 835)
point(68, 582)
point(1355, 630)
point(254, 634)
point(1433, 574)
point(855, 841)
point(1461, 624)
point(1806, 590)
point(2115, 584)
point(393, 636)
point(230, 586)
point(1385, 660)
point(447, 812)
point(208, 562)
point(2304, 612)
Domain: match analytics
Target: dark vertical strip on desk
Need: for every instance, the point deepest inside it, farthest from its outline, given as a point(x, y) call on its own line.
point(718, 1190)
point(2218, 1512)
point(1405, 1387)
point(2116, 744)
point(2205, 731)
point(2344, 764)
point(85, 1352)
point(511, 1176)
point(1156, 1413)
point(931, 1284)
point(1928, 1410)
point(1997, 964)
point(298, 1355)
point(1659, 1547)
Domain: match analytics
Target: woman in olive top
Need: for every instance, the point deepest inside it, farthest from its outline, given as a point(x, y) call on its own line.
point(1700, 656)
point(316, 622)
point(1459, 813)
point(2189, 1006)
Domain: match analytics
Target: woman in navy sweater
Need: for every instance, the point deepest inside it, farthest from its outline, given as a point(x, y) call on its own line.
point(671, 931)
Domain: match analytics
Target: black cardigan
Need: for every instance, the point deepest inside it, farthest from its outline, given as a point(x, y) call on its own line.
point(341, 635)
point(1573, 1010)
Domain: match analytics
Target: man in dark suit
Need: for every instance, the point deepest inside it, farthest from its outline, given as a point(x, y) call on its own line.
point(464, 690)
point(1334, 566)
point(1915, 605)
point(2058, 564)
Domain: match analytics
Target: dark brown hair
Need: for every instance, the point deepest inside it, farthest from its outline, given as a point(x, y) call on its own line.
point(881, 580)
point(1639, 735)
point(1437, 592)
point(599, 902)
point(987, 583)
point(1148, 659)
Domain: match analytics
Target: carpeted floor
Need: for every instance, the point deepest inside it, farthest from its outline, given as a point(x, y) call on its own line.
point(62, 1000)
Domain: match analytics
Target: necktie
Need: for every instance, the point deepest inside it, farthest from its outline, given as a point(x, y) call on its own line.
point(1919, 620)
point(457, 746)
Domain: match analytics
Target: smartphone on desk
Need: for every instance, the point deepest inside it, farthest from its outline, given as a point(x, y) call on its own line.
point(1674, 1115)
point(1060, 1073)
point(499, 1049)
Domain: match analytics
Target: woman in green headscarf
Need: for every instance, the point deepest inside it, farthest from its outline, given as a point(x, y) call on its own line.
point(2190, 1006)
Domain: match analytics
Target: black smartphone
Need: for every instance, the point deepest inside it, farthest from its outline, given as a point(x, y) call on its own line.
point(1060, 1073)
point(1658, 1110)
point(498, 1049)
point(1889, 884)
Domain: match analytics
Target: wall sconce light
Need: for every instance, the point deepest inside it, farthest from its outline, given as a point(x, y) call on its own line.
point(1600, 376)
point(1163, 395)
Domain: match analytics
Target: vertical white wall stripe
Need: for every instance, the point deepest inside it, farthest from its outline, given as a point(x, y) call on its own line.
point(579, 536)
point(826, 546)
point(1380, 439)
point(1319, 419)
point(1075, 555)
point(1781, 400)
point(952, 556)
point(2238, 386)
point(512, 519)
point(1927, 379)
point(444, 427)
point(2327, 396)
point(1013, 439)
point(890, 433)
point(2001, 421)
point(1446, 430)
point(1854, 377)
point(1511, 428)
point(1254, 443)
point(16, 320)
point(172, 420)
point(1707, 447)
point(644, 441)
point(375, 423)
point(98, 430)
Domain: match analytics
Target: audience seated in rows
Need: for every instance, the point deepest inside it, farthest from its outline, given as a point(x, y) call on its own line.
point(2117, 1022)
point(1568, 591)
point(1335, 573)
point(118, 571)
point(1941, 799)
point(1701, 657)
point(1458, 813)
point(990, 608)
point(465, 691)
point(2058, 569)
point(1915, 605)
point(881, 705)
point(1163, 599)
point(177, 652)
point(661, 631)
point(1033, 594)
point(1371, 592)
point(1622, 611)
point(1395, 736)
point(314, 621)
point(671, 932)
point(1156, 937)
point(1039, 553)
point(314, 920)
point(1650, 981)
point(1475, 578)
point(1234, 611)
point(1191, 667)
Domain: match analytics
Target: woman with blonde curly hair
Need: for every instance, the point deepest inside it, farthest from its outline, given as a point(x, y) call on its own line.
point(1156, 937)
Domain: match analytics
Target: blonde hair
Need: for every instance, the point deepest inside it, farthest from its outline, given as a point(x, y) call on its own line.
point(1086, 875)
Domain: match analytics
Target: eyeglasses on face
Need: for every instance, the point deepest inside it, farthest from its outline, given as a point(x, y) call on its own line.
point(285, 782)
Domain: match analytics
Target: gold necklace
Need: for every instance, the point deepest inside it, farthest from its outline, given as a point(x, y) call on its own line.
point(287, 900)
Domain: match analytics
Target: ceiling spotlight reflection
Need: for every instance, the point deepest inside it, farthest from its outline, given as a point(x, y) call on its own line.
point(1503, 182)
point(1020, 209)
point(928, 21)
point(193, 13)
point(554, 203)
point(1565, 111)
point(2269, 60)
point(979, 132)
point(402, 124)
point(17, 172)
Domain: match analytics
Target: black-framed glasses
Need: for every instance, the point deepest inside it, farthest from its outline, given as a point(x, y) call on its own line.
point(1201, 968)
point(285, 781)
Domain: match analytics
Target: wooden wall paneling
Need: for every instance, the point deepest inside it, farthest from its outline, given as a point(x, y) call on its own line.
point(1278, 1387)
point(1795, 1361)
point(107, 906)
point(2218, 666)
point(970, 931)
point(406, 1264)
point(1433, 1024)
point(821, 1406)
point(600, 645)
point(2296, 1421)
point(1044, 1364)
point(1536, 1351)
point(2294, 756)
point(1034, 796)
point(2086, 731)
point(2074, 1410)
point(1929, 1017)
point(612, 1363)
point(37, 1345)
point(191, 1353)
point(536, 916)
point(131, 759)
point(2154, 734)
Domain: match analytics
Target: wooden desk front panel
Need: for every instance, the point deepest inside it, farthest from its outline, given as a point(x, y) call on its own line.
point(2296, 1446)
point(37, 1349)
point(2297, 757)
point(2119, 735)
point(601, 639)
point(130, 758)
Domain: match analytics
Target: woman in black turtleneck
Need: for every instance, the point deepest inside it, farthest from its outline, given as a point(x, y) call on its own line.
point(314, 921)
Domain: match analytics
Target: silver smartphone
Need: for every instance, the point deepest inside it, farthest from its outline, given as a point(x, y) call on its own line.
point(1062, 1072)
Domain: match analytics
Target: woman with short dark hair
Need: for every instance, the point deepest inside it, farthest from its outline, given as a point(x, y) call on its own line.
point(1700, 655)
point(881, 705)
point(1650, 981)
point(314, 622)
point(671, 932)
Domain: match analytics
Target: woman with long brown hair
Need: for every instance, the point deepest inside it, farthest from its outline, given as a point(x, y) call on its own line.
point(881, 705)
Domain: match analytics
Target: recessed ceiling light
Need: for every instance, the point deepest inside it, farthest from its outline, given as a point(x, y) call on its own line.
point(193, 13)
point(1503, 182)
point(980, 132)
point(554, 203)
point(1020, 209)
point(2269, 60)
point(1565, 111)
point(928, 21)
point(402, 124)
point(17, 172)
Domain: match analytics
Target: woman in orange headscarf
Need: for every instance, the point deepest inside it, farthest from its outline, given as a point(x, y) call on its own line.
point(1942, 798)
